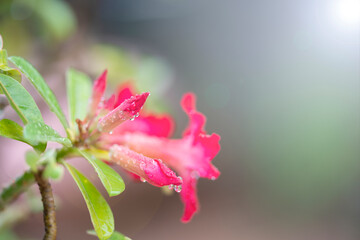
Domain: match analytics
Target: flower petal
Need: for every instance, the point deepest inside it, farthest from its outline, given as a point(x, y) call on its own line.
point(152, 170)
point(129, 109)
point(154, 125)
point(189, 198)
point(98, 92)
point(124, 92)
point(109, 103)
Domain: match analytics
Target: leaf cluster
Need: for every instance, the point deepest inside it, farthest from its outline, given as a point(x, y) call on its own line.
point(36, 133)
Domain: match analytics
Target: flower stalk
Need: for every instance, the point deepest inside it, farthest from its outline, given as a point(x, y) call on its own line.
point(48, 204)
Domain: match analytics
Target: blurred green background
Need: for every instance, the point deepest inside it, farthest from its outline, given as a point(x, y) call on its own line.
point(278, 80)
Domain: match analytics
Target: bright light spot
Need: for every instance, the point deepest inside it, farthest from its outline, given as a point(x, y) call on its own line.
point(348, 11)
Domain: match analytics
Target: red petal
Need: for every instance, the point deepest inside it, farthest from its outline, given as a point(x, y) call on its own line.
point(189, 198)
point(125, 91)
point(154, 125)
point(98, 92)
point(110, 102)
point(152, 170)
point(129, 109)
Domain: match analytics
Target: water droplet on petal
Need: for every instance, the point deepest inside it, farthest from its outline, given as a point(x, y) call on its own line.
point(171, 186)
point(178, 188)
point(213, 178)
point(142, 180)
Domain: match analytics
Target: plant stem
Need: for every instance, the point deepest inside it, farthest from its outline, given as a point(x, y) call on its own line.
point(13, 191)
point(49, 206)
point(25, 181)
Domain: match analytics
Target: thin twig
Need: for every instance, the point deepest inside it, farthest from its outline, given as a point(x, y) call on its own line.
point(49, 206)
point(12, 192)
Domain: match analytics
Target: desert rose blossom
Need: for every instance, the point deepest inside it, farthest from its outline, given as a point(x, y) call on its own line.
point(190, 156)
point(143, 148)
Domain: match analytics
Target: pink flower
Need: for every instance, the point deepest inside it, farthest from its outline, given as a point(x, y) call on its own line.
point(190, 156)
point(143, 147)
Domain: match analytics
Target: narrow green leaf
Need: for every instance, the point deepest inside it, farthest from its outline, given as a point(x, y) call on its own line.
point(38, 82)
point(20, 100)
point(111, 180)
point(100, 212)
point(115, 236)
point(39, 132)
point(78, 92)
point(118, 236)
point(11, 129)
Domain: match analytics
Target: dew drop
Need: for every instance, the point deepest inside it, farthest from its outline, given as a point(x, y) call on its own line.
point(142, 180)
point(178, 188)
point(171, 186)
point(213, 178)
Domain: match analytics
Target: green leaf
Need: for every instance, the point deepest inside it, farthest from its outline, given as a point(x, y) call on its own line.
point(100, 212)
point(115, 236)
point(11, 129)
point(78, 92)
point(38, 82)
point(1, 42)
point(39, 132)
point(111, 180)
point(118, 236)
point(32, 158)
point(20, 100)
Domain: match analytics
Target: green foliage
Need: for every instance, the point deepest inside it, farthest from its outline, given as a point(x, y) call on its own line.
point(32, 158)
point(6, 70)
point(38, 82)
point(39, 132)
point(115, 236)
point(79, 92)
point(11, 129)
point(100, 212)
point(20, 100)
point(111, 180)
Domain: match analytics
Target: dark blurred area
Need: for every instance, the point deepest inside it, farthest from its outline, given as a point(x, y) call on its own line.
point(278, 80)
